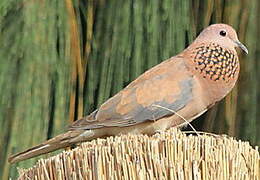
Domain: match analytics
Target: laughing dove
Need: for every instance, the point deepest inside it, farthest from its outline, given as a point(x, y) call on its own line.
point(168, 95)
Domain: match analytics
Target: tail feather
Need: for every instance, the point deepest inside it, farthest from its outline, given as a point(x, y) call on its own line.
point(58, 142)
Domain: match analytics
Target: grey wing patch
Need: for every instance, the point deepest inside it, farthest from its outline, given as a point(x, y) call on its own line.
point(154, 112)
point(141, 114)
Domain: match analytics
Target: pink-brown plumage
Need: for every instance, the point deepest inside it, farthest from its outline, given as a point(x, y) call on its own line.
point(188, 84)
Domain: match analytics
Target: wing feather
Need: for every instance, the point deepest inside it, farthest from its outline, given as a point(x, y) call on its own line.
point(167, 84)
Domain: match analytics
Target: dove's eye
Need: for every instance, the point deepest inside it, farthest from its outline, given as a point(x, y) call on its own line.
point(223, 33)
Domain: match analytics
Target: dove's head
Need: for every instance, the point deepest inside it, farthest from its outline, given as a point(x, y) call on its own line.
point(223, 35)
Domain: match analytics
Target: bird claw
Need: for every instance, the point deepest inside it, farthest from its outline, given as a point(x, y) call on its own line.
point(159, 131)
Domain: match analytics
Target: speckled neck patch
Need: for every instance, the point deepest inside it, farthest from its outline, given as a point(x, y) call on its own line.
point(215, 62)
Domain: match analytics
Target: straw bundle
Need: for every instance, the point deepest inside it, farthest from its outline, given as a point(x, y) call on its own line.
point(168, 155)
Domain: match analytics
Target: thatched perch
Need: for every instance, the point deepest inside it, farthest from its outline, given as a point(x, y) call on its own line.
point(169, 155)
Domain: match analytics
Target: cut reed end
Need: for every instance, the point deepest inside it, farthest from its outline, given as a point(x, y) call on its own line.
point(168, 155)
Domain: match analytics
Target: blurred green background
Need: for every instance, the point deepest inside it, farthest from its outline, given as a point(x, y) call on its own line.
point(59, 60)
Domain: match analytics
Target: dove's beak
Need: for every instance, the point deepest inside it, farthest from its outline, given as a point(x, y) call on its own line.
point(242, 46)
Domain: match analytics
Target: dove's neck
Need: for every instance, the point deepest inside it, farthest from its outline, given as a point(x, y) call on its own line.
point(217, 67)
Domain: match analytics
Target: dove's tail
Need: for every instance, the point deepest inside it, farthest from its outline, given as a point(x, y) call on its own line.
point(60, 141)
